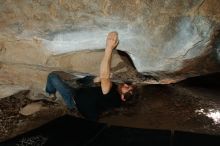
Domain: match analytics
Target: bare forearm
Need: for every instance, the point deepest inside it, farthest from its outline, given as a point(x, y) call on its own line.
point(111, 43)
point(105, 67)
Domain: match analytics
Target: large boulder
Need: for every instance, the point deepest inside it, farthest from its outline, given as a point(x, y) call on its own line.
point(168, 40)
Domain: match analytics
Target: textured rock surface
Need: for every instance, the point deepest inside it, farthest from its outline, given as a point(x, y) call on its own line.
point(170, 39)
point(8, 90)
point(31, 109)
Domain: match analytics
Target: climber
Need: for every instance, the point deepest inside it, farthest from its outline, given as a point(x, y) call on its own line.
point(91, 101)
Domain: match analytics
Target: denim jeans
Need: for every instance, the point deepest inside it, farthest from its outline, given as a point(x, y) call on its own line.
point(55, 83)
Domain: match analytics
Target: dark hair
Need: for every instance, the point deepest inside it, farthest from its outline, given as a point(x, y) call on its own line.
point(131, 101)
point(131, 98)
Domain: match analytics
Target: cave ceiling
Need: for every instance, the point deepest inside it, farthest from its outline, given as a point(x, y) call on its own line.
point(168, 40)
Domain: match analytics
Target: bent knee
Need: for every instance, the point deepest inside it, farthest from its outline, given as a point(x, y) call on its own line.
point(52, 75)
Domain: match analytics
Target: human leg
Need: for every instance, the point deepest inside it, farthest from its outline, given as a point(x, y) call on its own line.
point(55, 83)
point(49, 86)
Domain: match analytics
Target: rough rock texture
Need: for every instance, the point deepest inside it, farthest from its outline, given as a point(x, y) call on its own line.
point(31, 109)
point(169, 40)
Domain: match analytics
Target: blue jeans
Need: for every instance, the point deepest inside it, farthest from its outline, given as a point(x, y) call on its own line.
point(55, 83)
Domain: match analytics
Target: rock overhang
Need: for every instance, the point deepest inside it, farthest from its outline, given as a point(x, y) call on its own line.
point(167, 40)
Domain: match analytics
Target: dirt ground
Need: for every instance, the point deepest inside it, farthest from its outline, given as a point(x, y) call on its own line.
point(175, 107)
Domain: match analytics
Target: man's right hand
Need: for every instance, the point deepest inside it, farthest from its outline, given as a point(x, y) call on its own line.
point(112, 40)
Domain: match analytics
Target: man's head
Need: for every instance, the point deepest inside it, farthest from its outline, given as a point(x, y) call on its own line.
point(127, 91)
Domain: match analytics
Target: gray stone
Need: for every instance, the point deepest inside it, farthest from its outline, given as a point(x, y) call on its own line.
point(170, 40)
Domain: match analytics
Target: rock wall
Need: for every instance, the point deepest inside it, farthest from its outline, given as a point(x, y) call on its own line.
point(168, 39)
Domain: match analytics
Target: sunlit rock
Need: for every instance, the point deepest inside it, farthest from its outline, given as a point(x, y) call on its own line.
point(166, 40)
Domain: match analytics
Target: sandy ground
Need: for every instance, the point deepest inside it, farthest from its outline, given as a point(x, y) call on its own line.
point(175, 107)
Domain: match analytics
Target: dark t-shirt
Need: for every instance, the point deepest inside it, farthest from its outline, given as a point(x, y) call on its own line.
point(91, 101)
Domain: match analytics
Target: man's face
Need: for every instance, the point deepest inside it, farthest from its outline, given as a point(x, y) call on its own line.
point(125, 88)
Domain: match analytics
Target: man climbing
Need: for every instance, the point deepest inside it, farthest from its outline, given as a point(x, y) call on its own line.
point(91, 101)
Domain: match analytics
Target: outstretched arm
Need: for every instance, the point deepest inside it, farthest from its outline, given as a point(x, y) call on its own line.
point(105, 67)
